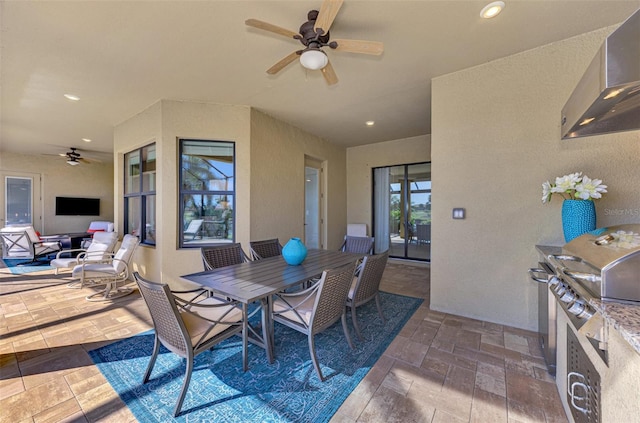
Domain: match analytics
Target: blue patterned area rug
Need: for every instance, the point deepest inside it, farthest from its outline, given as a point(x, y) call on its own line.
point(15, 268)
point(288, 390)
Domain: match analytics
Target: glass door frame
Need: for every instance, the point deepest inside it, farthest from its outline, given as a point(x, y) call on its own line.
point(406, 230)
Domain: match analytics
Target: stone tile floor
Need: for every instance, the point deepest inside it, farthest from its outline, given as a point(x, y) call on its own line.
point(440, 368)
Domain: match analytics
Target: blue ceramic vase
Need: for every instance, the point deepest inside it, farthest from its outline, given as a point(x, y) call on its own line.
point(578, 217)
point(294, 252)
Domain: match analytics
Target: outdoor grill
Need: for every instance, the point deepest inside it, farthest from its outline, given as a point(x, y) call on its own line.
point(597, 267)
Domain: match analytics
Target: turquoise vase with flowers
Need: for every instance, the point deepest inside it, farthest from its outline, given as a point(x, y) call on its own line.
point(578, 218)
point(578, 209)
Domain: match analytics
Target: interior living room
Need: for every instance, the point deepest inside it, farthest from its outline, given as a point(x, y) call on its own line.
point(473, 105)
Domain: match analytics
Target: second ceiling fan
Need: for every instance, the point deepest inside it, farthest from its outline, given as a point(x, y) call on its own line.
point(314, 34)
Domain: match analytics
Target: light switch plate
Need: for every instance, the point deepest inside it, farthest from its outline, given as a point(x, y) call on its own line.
point(458, 213)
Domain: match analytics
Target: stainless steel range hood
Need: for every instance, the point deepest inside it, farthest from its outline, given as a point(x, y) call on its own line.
point(607, 98)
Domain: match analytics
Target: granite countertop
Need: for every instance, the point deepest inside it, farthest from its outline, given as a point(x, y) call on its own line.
point(623, 317)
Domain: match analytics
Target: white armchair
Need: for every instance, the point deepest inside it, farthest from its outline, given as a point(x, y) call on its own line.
point(100, 247)
point(20, 242)
point(100, 226)
point(109, 272)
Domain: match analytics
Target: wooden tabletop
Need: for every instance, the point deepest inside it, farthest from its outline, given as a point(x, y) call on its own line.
point(254, 280)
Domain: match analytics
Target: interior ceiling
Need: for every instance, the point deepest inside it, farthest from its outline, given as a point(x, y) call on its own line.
point(121, 57)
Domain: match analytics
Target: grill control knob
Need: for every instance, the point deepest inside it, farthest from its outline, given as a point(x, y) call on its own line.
point(587, 313)
point(577, 308)
point(567, 297)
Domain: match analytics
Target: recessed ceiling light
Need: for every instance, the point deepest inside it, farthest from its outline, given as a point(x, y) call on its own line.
point(370, 123)
point(492, 9)
point(86, 140)
point(72, 97)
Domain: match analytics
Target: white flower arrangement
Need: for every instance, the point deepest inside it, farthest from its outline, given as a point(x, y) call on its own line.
point(574, 186)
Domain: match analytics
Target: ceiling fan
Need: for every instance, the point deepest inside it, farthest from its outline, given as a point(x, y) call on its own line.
point(74, 158)
point(314, 35)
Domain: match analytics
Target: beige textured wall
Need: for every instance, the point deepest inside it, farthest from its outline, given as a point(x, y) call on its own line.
point(269, 188)
point(360, 161)
point(165, 122)
point(61, 180)
point(138, 131)
point(278, 152)
point(496, 138)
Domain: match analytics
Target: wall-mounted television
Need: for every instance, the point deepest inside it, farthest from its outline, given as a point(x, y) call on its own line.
point(75, 206)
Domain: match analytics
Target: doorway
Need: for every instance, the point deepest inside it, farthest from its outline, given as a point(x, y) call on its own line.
point(313, 196)
point(402, 210)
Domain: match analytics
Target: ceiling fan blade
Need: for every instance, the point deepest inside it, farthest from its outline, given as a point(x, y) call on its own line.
point(271, 28)
point(327, 14)
point(329, 74)
point(282, 63)
point(360, 46)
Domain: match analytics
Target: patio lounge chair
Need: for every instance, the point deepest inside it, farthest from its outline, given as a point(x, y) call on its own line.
point(99, 248)
point(194, 228)
point(109, 272)
point(22, 242)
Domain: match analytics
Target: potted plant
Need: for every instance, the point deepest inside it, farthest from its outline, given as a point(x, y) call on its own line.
point(578, 209)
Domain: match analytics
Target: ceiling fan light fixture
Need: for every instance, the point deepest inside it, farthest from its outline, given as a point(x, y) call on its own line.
point(73, 162)
point(313, 59)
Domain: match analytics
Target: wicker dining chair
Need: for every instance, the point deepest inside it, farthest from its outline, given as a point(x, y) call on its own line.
point(365, 286)
point(314, 309)
point(223, 255)
point(358, 244)
point(187, 328)
point(266, 248)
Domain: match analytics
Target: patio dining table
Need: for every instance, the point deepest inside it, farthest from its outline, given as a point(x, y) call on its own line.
point(258, 280)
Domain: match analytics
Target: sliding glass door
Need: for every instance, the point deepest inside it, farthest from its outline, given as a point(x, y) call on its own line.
point(402, 210)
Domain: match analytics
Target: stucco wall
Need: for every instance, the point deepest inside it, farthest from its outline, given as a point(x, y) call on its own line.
point(163, 123)
point(94, 180)
point(269, 176)
point(360, 161)
point(278, 153)
point(496, 138)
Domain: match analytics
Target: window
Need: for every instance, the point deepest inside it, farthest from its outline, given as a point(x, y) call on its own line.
point(207, 188)
point(140, 194)
point(18, 204)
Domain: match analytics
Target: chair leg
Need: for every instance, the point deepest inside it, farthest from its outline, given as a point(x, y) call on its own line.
point(312, 351)
point(355, 322)
point(185, 386)
point(345, 329)
point(152, 361)
point(380, 308)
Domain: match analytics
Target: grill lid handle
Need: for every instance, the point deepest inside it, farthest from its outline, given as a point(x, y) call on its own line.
point(583, 276)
